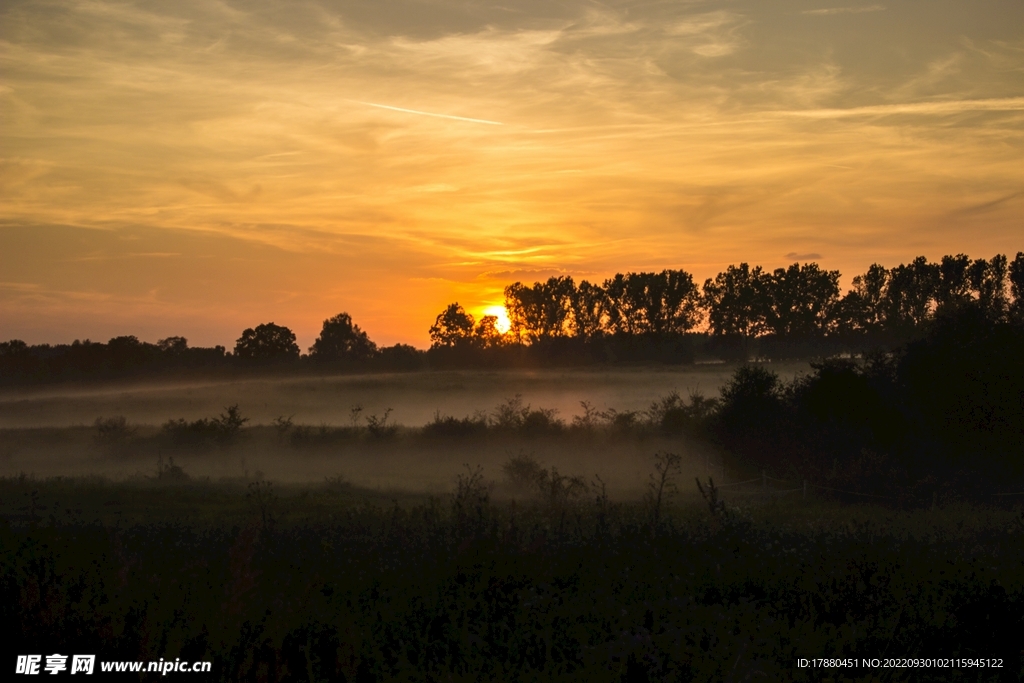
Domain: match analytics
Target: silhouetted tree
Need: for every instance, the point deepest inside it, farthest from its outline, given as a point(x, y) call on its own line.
point(542, 311)
point(341, 339)
point(589, 306)
point(860, 310)
point(13, 347)
point(801, 299)
point(127, 353)
point(486, 335)
point(173, 345)
point(953, 288)
point(662, 303)
point(988, 280)
point(909, 295)
point(268, 342)
point(400, 357)
point(735, 301)
point(452, 328)
point(1016, 276)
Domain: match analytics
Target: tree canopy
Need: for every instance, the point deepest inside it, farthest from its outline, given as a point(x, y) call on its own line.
point(267, 342)
point(341, 339)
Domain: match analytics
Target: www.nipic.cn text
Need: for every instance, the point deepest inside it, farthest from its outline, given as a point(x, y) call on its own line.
point(32, 665)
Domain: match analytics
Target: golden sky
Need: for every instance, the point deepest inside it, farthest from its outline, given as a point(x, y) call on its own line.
point(200, 166)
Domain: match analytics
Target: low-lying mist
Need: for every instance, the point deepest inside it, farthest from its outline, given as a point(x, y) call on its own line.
point(593, 445)
point(414, 398)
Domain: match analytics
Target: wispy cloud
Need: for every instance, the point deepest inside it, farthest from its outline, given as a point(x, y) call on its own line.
point(844, 10)
point(937, 108)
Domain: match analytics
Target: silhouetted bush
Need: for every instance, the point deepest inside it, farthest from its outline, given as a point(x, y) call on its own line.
point(113, 430)
point(513, 415)
point(446, 426)
point(222, 429)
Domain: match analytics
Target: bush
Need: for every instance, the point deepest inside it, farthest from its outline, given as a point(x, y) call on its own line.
point(379, 427)
point(222, 429)
point(113, 430)
point(673, 415)
point(512, 415)
point(524, 472)
point(168, 472)
point(446, 426)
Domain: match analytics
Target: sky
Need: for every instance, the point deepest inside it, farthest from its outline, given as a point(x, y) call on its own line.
point(201, 166)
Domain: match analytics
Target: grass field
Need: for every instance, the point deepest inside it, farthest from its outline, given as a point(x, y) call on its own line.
point(331, 582)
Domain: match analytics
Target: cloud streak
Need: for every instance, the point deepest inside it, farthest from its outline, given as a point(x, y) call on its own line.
point(939, 108)
point(827, 11)
point(427, 113)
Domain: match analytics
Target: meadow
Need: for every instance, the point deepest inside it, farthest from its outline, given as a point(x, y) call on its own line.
point(557, 525)
point(330, 582)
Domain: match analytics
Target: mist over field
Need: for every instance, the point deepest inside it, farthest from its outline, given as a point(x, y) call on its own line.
point(413, 397)
point(50, 431)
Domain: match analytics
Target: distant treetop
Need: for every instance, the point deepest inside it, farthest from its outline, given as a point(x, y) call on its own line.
point(341, 339)
point(267, 342)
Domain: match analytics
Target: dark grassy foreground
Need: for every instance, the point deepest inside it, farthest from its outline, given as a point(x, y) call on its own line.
point(331, 583)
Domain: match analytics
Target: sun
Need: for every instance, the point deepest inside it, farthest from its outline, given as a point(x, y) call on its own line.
point(503, 324)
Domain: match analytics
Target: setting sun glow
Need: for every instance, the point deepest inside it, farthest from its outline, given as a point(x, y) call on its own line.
point(503, 323)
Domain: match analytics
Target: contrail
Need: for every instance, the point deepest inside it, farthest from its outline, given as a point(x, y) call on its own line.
point(427, 113)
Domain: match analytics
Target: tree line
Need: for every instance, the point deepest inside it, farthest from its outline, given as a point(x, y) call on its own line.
point(801, 301)
point(341, 344)
point(742, 312)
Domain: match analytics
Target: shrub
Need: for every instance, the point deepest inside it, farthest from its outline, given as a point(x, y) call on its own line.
point(674, 415)
point(168, 472)
point(222, 429)
point(524, 472)
point(379, 427)
point(447, 426)
point(512, 415)
point(113, 430)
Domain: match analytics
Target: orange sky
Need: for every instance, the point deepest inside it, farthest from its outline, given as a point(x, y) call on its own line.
point(195, 168)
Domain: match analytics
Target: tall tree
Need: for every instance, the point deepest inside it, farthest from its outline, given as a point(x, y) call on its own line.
point(453, 327)
point(486, 334)
point(1016, 276)
point(953, 287)
point(861, 310)
point(267, 342)
point(342, 339)
point(589, 310)
point(174, 346)
point(735, 301)
point(801, 299)
point(910, 295)
point(988, 280)
point(542, 311)
point(662, 303)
